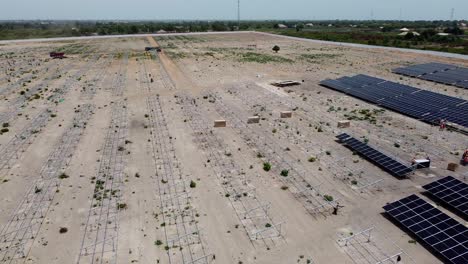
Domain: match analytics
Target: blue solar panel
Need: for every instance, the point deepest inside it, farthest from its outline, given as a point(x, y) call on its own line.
point(437, 72)
point(444, 235)
point(452, 192)
point(380, 159)
point(424, 105)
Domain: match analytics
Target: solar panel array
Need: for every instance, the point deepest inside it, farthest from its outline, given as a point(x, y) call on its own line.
point(437, 72)
point(452, 192)
point(382, 160)
point(421, 104)
point(442, 234)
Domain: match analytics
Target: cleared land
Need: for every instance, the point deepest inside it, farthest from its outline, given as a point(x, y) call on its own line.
point(111, 154)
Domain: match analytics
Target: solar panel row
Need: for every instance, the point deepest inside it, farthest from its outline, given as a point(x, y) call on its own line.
point(442, 234)
point(380, 159)
point(421, 104)
point(451, 191)
point(437, 72)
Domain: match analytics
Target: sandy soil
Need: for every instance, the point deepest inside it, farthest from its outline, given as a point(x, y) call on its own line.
point(111, 154)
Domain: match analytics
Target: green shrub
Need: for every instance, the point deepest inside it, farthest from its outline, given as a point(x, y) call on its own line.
point(63, 175)
point(328, 198)
point(266, 166)
point(193, 184)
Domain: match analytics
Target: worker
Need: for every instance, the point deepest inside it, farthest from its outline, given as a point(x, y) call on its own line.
point(398, 258)
point(465, 158)
point(443, 125)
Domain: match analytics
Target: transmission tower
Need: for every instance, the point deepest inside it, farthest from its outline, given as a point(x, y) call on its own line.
point(452, 13)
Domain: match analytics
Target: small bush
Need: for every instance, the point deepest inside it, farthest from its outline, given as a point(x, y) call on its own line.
point(5, 125)
point(63, 175)
point(266, 166)
point(284, 187)
point(122, 206)
point(158, 242)
point(63, 230)
point(285, 173)
point(312, 159)
point(193, 184)
point(328, 198)
point(396, 145)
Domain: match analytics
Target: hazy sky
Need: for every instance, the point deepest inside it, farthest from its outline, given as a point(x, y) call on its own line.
point(227, 9)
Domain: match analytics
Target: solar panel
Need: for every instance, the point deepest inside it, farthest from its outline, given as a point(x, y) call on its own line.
point(452, 192)
point(423, 105)
point(444, 235)
point(437, 72)
point(342, 137)
point(387, 163)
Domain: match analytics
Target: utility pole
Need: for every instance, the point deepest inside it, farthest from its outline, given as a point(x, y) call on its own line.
point(452, 13)
point(238, 14)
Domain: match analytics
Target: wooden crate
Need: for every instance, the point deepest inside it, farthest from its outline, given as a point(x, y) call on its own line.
point(253, 120)
point(344, 124)
point(220, 123)
point(286, 114)
point(452, 166)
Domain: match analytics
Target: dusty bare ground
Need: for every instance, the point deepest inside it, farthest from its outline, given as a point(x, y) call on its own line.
point(111, 154)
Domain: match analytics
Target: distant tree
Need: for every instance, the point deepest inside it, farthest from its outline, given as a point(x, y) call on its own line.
point(454, 30)
point(276, 48)
point(299, 27)
point(428, 33)
point(409, 35)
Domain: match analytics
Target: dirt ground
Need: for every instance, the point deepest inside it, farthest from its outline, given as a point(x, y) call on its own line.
point(111, 154)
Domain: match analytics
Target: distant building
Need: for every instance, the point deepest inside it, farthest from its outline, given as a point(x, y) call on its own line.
point(309, 25)
point(162, 31)
point(282, 26)
point(404, 30)
point(443, 34)
point(408, 32)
